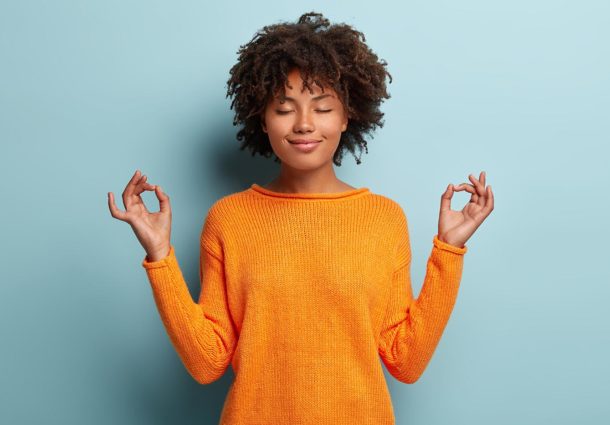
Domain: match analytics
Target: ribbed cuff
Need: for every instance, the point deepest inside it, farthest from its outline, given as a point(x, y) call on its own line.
point(171, 257)
point(448, 247)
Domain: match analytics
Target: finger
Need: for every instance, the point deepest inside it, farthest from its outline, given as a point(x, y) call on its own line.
point(130, 187)
point(446, 198)
point(474, 198)
point(134, 197)
point(487, 207)
point(143, 185)
point(489, 202)
point(114, 211)
point(163, 200)
point(465, 186)
point(134, 180)
point(480, 186)
point(140, 185)
point(477, 184)
point(483, 201)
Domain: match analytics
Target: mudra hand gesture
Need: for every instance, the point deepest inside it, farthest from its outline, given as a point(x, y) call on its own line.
point(153, 230)
point(456, 227)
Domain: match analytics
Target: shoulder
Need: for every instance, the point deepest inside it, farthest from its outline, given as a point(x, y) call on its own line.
point(385, 200)
point(228, 206)
point(229, 211)
point(220, 216)
point(398, 230)
point(392, 208)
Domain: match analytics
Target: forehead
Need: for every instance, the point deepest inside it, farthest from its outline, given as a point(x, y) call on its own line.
point(297, 89)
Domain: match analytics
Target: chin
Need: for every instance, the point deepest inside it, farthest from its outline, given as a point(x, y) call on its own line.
point(302, 165)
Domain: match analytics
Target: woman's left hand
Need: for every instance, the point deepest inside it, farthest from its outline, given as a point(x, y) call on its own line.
point(456, 227)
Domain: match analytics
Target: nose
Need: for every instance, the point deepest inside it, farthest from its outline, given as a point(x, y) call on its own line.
point(304, 122)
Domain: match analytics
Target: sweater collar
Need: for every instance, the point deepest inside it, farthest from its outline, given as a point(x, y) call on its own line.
point(310, 195)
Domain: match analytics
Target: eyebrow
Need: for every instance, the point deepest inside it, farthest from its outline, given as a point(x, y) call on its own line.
point(322, 96)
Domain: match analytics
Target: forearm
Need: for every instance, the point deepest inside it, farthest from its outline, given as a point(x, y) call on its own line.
point(192, 334)
point(409, 342)
point(432, 309)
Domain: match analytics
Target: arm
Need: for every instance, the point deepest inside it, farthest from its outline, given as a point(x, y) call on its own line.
point(412, 328)
point(202, 333)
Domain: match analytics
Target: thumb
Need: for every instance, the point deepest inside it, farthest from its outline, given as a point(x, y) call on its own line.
point(163, 199)
point(446, 198)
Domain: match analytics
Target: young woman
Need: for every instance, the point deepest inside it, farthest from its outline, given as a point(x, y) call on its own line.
point(305, 281)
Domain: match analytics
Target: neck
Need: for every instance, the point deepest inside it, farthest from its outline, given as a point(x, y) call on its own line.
point(320, 180)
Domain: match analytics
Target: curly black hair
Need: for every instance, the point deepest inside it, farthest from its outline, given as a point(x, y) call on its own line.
point(328, 55)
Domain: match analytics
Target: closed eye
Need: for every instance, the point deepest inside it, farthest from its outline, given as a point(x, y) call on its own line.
point(317, 110)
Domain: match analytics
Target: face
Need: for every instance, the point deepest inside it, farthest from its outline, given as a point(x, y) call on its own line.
point(318, 117)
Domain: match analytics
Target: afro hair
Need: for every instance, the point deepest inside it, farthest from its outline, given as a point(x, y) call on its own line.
point(327, 55)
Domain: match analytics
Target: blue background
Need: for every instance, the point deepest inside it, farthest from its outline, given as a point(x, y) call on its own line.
point(92, 91)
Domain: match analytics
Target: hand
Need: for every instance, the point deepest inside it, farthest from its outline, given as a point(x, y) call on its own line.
point(456, 227)
point(153, 230)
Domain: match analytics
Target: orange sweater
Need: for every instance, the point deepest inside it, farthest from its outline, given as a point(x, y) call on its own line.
point(303, 294)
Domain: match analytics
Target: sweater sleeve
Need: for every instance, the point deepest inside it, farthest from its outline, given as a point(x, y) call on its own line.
point(411, 327)
point(202, 333)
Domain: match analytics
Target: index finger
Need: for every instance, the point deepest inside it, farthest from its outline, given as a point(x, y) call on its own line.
point(132, 183)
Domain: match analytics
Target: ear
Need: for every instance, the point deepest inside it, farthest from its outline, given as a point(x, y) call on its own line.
point(345, 121)
point(263, 125)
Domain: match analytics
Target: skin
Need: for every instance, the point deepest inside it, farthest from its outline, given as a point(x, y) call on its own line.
point(317, 115)
point(456, 227)
point(304, 115)
point(311, 172)
point(153, 229)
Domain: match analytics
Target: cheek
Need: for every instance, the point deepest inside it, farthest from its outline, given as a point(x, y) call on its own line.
point(330, 126)
point(278, 130)
point(271, 125)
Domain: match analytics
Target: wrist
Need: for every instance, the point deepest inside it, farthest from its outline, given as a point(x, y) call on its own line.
point(158, 255)
point(450, 242)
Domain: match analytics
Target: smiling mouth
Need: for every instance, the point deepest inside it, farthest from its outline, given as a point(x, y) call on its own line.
point(305, 145)
point(303, 142)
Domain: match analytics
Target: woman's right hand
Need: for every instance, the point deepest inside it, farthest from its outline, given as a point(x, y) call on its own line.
point(153, 230)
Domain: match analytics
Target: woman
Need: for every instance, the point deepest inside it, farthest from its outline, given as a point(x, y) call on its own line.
point(306, 280)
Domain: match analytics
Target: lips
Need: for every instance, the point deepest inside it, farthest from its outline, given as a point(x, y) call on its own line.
point(304, 145)
point(303, 141)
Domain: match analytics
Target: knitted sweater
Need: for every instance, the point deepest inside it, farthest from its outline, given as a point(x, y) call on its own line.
point(303, 293)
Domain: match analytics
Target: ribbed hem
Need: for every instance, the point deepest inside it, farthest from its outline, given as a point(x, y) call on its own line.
point(312, 195)
point(448, 247)
point(171, 257)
